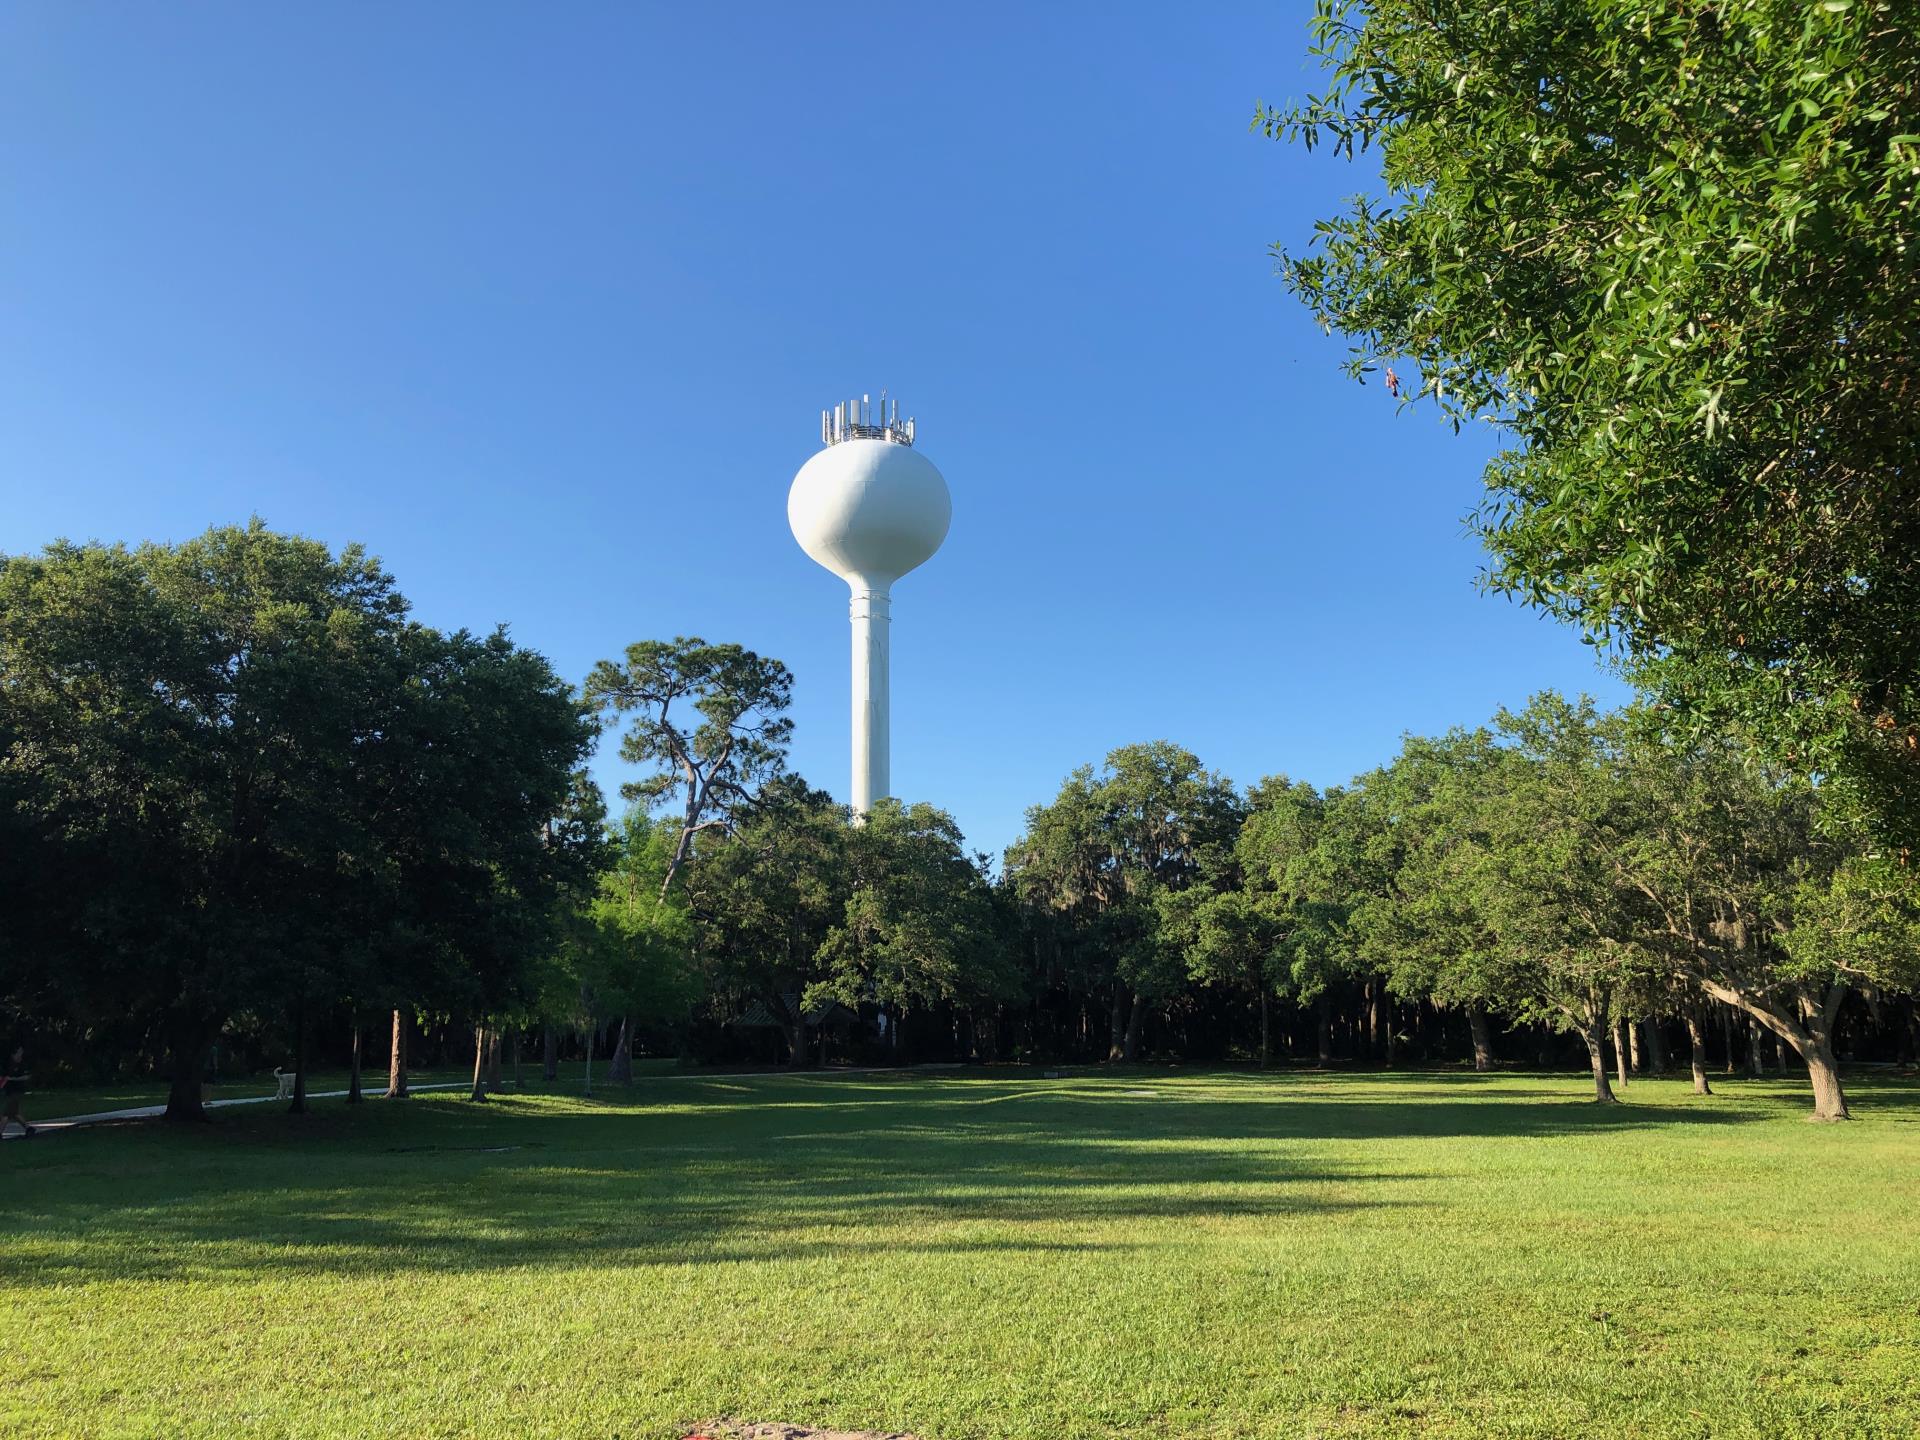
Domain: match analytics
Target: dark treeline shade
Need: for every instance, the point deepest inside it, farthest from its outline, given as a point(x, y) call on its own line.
point(1057, 1026)
point(240, 786)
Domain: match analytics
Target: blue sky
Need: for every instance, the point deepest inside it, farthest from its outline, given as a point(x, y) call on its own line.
point(542, 302)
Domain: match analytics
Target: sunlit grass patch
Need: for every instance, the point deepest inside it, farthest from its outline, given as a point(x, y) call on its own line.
point(981, 1256)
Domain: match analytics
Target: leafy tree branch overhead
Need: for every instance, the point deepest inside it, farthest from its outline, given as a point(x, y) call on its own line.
point(1670, 251)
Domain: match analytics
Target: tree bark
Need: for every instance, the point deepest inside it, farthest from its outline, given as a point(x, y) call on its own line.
point(1135, 1017)
point(1482, 1036)
point(590, 1030)
point(493, 1060)
point(1755, 1066)
point(1266, 1027)
point(397, 1059)
point(1726, 1037)
point(186, 1092)
point(1697, 1044)
point(1620, 1051)
point(1633, 1046)
point(620, 1067)
point(549, 1053)
point(479, 1091)
point(797, 1043)
point(354, 1096)
point(1117, 1038)
point(1323, 1030)
point(513, 1049)
point(1594, 1033)
point(1829, 1100)
point(1810, 1033)
point(1823, 1069)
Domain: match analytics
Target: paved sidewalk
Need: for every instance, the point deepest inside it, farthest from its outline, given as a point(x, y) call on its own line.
point(153, 1112)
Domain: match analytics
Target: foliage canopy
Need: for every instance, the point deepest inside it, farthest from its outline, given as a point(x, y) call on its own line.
point(1671, 250)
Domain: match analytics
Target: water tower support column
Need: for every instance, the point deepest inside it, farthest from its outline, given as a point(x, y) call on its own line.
point(871, 612)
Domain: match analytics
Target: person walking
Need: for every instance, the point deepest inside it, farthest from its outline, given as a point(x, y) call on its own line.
point(13, 1089)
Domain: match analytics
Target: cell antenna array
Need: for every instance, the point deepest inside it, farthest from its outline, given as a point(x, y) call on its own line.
point(863, 420)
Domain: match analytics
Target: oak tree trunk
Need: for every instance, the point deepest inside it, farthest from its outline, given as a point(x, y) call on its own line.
point(1594, 1033)
point(549, 1053)
point(1482, 1037)
point(1323, 1030)
point(1633, 1047)
point(1829, 1100)
point(493, 1060)
point(1266, 1028)
point(1809, 1030)
point(1823, 1070)
point(1138, 1014)
point(1620, 1051)
point(620, 1067)
point(397, 1059)
point(1755, 1067)
point(796, 1033)
point(479, 1091)
point(1697, 1044)
point(1117, 1031)
point(186, 1093)
point(354, 1096)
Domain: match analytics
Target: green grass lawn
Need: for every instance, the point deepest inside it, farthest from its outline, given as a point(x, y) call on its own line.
point(981, 1256)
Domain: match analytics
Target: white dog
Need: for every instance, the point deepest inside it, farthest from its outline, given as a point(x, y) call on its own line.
point(285, 1077)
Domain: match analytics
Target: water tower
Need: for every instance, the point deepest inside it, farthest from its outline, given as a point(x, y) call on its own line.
point(870, 508)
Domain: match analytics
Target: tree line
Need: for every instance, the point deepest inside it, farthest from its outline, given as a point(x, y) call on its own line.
point(249, 805)
point(1612, 879)
point(1579, 871)
point(245, 794)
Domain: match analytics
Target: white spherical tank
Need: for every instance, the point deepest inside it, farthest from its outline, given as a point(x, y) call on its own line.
point(869, 507)
point(869, 510)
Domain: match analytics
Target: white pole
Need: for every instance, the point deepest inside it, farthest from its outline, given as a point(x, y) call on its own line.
point(871, 612)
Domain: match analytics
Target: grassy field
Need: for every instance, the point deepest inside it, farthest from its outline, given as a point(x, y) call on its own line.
point(981, 1256)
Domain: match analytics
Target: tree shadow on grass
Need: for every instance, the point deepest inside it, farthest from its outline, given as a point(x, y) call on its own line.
point(799, 1168)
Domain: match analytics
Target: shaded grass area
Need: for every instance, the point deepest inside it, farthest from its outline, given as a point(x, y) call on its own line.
point(982, 1256)
point(58, 1101)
